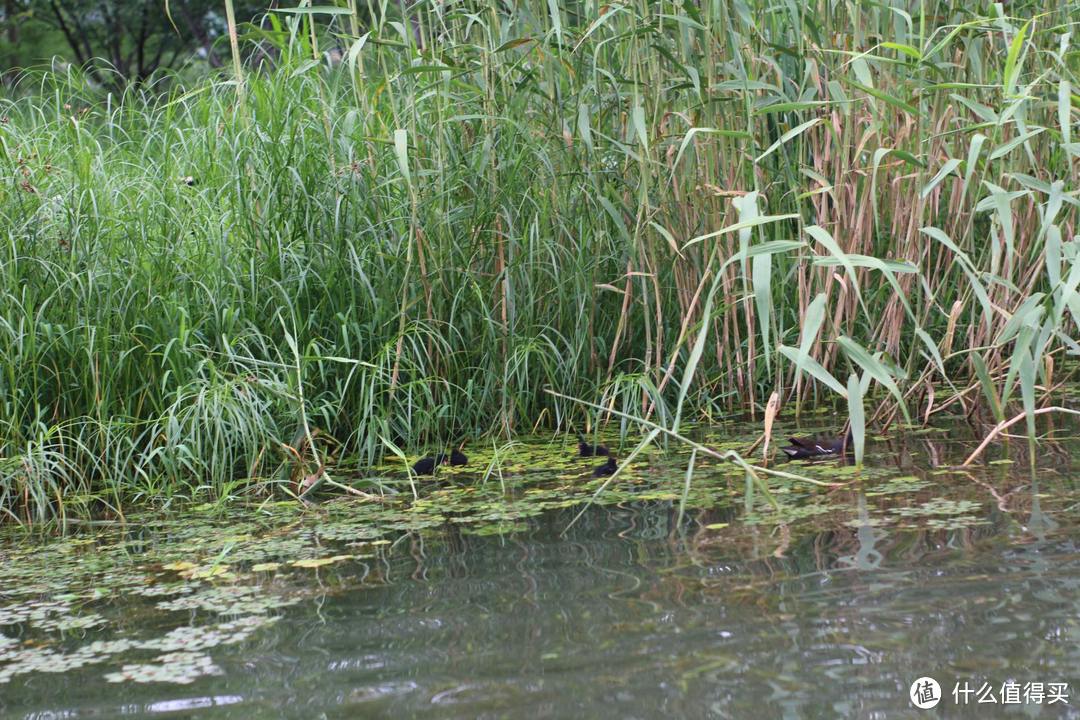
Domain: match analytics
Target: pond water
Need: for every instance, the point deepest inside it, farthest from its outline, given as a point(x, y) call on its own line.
point(492, 597)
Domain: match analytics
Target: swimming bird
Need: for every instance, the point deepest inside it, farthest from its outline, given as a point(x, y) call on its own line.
point(607, 468)
point(587, 450)
point(818, 447)
point(457, 458)
point(427, 465)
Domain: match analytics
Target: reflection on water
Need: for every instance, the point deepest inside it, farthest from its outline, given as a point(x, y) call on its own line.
point(633, 614)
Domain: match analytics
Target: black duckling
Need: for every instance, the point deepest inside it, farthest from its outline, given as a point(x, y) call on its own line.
point(457, 458)
point(587, 450)
point(427, 465)
point(607, 468)
point(818, 447)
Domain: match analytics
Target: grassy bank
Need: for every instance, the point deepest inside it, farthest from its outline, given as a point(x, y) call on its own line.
point(410, 239)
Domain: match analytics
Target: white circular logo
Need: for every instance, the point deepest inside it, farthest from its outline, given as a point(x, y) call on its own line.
point(925, 693)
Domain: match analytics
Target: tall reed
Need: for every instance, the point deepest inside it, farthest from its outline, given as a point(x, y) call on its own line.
point(423, 221)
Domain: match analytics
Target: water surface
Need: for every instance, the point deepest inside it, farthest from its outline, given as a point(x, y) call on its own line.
point(500, 604)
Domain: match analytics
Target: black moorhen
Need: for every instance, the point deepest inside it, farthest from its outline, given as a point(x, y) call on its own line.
point(607, 468)
point(457, 458)
point(806, 448)
point(427, 465)
point(587, 450)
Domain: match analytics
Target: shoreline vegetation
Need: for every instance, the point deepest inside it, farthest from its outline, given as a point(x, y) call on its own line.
point(376, 234)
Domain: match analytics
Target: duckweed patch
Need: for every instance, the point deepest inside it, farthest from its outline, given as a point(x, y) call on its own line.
point(59, 615)
point(955, 523)
point(177, 664)
point(892, 486)
point(941, 514)
point(938, 506)
point(230, 600)
point(176, 667)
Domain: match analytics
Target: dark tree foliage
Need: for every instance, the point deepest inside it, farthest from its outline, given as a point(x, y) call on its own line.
point(135, 37)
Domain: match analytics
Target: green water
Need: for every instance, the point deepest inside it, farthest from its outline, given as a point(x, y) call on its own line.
point(829, 607)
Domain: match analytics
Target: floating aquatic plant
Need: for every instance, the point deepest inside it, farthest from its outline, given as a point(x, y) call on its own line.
point(265, 567)
point(505, 527)
point(906, 484)
point(320, 562)
point(938, 506)
point(958, 522)
point(229, 600)
point(867, 522)
point(348, 531)
point(175, 667)
point(164, 589)
point(192, 638)
point(787, 514)
point(22, 660)
point(49, 615)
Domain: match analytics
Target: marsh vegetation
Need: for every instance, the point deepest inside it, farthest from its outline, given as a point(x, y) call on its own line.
point(382, 233)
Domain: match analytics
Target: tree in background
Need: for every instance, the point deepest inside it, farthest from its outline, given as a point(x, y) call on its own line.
point(134, 37)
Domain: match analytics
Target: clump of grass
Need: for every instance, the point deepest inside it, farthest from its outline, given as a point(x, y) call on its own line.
point(407, 237)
